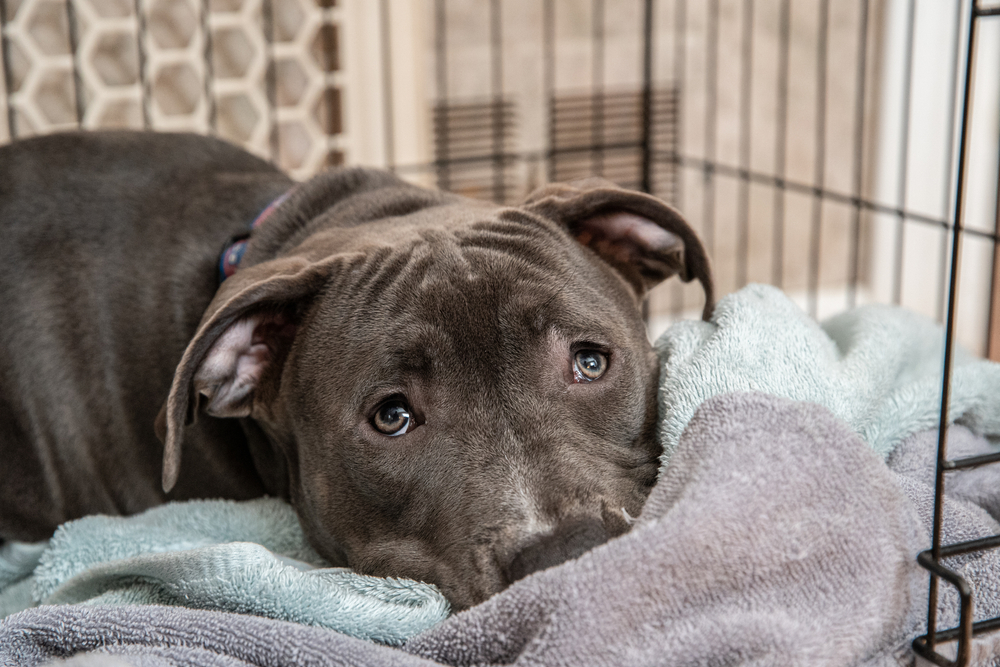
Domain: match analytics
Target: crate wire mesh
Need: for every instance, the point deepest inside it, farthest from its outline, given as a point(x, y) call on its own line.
point(844, 151)
point(932, 559)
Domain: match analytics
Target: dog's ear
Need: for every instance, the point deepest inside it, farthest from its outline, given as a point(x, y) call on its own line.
point(242, 340)
point(643, 238)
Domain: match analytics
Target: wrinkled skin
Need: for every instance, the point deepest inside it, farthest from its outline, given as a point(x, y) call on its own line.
point(361, 292)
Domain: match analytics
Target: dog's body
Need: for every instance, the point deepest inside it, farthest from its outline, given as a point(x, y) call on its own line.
point(411, 369)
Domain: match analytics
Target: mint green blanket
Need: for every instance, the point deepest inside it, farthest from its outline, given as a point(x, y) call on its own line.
point(246, 557)
point(876, 367)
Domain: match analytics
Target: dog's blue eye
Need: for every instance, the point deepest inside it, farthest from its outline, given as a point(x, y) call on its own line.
point(588, 365)
point(392, 418)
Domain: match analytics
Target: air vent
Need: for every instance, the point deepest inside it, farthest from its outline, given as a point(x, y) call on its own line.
point(473, 148)
point(601, 135)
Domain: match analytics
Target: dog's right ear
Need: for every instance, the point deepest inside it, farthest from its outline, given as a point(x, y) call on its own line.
point(241, 343)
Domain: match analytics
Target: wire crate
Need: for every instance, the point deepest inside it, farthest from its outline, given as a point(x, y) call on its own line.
point(847, 152)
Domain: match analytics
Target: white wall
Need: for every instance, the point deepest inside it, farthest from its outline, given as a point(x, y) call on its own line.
point(931, 164)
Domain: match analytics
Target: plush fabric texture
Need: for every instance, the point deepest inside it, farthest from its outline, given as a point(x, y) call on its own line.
point(17, 561)
point(155, 636)
point(971, 497)
point(916, 459)
point(876, 367)
point(776, 536)
point(248, 557)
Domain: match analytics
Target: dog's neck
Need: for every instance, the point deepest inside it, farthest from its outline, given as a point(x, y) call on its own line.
point(229, 260)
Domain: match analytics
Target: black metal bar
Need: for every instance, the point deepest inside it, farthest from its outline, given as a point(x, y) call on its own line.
point(549, 84)
point(74, 44)
point(932, 563)
point(647, 97)
point(949, 347)
point(645, 174)
point(962, 548)
point(904, 155)
point(271, 79)
point(496, 111)
point(711, 123)
point(333, 112)
point(949, 151)
point(701, 165)
point(979, 627)
point(971, 461)
point(987, 11)
point(597, 88)
point(680, 78)
point(859, 138)
point(206, 30)
point(743, 203)
point(781, 138)
point(992, 335)
point(388, 126)
point(821, 193)
point(820, 161)
point(8, 74)
point(441, 71)
point(140, 43)
point(924, 645)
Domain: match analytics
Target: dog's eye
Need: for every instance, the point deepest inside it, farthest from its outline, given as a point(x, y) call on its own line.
point(588, 365)
point(393, 418)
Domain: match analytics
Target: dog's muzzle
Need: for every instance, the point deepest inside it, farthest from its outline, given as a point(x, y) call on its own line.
point(570, 539)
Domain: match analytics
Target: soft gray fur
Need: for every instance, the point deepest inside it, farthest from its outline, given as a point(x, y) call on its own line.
point(359, 292)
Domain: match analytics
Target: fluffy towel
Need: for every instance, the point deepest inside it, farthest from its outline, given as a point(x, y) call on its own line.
point(250, 557)
point(916, 459)
point(876, 367)
point(17, 562)
point(154, 636)
point(972, 495)
point(775, 537)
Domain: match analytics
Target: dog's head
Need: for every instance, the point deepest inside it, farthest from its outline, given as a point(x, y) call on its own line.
point(455, 392)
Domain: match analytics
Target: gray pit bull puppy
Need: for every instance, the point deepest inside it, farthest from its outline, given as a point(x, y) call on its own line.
point(445, 389)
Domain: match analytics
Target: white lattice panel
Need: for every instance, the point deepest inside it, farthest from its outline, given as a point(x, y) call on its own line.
point(183, 85)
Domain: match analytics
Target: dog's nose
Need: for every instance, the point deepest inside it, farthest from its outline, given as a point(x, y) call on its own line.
point(570, 539)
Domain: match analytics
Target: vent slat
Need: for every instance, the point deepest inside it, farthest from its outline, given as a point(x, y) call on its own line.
point(587, 134)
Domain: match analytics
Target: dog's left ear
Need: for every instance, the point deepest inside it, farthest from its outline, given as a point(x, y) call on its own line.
point(643, 238)
point(242, 340)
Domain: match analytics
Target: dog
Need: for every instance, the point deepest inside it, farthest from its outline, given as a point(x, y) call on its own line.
point(445, 389)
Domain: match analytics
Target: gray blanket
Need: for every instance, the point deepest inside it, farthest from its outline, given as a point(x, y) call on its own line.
point(775, 537)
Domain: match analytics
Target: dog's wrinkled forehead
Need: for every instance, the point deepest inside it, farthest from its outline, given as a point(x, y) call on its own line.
point(475, 293)
point(473, 281)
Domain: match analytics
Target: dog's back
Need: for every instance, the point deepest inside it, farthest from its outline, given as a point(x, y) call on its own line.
point(99, 302)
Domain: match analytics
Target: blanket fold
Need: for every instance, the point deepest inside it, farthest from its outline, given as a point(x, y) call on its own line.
point(248, 557)
point(876, 367)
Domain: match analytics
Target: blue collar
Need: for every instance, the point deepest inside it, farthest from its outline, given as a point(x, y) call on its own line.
point(229, 261)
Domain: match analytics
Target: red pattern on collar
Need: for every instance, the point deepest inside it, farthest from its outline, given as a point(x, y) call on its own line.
point(229, 261)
